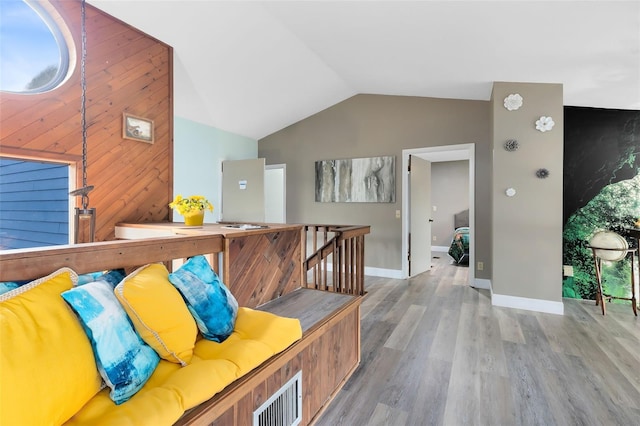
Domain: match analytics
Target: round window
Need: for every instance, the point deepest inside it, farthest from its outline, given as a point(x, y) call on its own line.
point(34, 57)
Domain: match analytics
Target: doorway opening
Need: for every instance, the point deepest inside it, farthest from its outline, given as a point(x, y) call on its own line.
point(437, 154)
point(275, 187)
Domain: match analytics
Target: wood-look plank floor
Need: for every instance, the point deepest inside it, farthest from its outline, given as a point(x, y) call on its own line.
point(435, 352)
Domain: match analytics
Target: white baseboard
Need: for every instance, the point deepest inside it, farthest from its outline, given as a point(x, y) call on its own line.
point(537, 305)
point(381, 272)
point(440, 248)
point(482, 283)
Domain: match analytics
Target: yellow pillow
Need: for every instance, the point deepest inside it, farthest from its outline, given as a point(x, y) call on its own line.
point(47, 368)
point(159, 313)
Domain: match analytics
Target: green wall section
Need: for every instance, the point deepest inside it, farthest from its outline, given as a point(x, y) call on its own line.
point(198, 153)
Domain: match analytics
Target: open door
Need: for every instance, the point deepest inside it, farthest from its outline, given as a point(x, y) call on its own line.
point(420, 215)
point(243, 190)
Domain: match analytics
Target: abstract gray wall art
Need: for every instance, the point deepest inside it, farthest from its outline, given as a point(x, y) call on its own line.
point(356, 180)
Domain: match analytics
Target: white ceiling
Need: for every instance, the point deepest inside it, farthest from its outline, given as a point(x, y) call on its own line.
point(253, 68)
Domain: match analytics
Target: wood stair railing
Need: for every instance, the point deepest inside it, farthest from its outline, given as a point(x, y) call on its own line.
point(337, 260)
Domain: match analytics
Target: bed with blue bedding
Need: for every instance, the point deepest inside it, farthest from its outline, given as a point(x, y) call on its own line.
point(459, 249)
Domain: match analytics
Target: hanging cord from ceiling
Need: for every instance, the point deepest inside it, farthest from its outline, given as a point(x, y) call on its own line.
point(84, 189)
point(85, 212)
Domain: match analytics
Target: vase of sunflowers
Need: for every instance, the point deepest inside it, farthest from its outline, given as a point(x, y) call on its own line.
point(192, 208)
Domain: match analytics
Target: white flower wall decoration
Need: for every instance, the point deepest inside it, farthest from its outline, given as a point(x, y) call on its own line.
point(544, 124)
point(513, 102)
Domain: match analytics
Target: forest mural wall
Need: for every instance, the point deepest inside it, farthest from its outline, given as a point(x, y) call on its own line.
point(601, 192)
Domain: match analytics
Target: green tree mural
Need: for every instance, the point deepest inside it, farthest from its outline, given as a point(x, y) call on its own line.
point(616, 207)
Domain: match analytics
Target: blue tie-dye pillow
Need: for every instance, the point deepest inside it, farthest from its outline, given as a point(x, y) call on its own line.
point(7, 286)
point(125, 362)
point(113, 277)
point(210, 302)
point(88, 278)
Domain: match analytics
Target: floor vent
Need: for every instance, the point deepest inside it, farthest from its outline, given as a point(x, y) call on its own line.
point(283, 408)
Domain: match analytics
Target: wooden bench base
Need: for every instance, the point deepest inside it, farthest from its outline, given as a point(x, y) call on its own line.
point(327, 355)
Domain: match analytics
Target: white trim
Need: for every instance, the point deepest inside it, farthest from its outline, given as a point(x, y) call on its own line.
point(381, 272)
point(537, 305)
point(470, 150)
point(440, 248)
point(376, 272)
point(71, 185)
point(482, 283)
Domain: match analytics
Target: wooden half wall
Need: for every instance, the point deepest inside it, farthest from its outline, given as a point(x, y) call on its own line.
point(127, 71)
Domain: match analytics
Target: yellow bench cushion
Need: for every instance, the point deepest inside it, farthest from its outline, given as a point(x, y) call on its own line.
point(172, 389)
point(257, 336)
point(47, 368)
point(164, 398)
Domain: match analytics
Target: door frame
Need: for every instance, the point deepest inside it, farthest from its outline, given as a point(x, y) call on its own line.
point(438, 154)
point(284, 186)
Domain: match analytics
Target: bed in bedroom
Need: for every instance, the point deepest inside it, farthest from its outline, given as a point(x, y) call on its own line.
point(459, 249)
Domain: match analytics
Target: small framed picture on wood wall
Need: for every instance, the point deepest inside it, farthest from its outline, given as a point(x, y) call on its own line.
point(137, 128)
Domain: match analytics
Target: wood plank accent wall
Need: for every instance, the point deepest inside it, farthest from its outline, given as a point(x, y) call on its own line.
point(126, 70)
point(270, 264)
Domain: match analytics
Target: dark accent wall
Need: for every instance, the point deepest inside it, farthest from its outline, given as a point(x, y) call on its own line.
point(602, 146)
point(126, 71)
point(601, 192)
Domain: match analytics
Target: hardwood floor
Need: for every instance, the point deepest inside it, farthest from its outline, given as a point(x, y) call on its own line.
point(435, 352)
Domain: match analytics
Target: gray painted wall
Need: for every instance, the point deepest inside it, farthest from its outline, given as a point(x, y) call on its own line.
point(377, 125)
point(450, 195)
point(527, 228)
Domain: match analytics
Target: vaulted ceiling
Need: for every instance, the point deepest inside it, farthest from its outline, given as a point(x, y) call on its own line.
point(253, 68)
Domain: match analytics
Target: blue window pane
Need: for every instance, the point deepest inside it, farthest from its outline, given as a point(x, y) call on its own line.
point(33, 54)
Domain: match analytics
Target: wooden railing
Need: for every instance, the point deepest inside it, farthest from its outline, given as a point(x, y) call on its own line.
point(336, 262)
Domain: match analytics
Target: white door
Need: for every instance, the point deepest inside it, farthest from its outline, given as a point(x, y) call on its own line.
point(275, 193)
point(243, 190)
point(420, 215)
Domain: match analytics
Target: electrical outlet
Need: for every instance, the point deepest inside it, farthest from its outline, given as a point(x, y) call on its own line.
point(434, 238)
point(435, 208)
point(397, 214)
point(480, 266)
point(567, 270)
